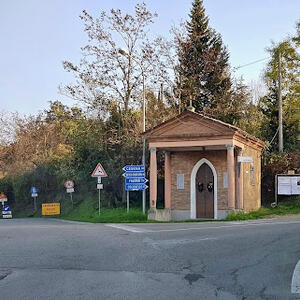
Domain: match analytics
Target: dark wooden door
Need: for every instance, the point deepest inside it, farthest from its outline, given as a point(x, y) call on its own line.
point(204, 192)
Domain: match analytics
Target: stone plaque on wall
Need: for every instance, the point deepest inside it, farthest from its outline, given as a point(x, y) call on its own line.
point(225, 180)
point(180, 181)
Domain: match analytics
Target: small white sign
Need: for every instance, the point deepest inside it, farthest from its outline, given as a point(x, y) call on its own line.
point(7, 216)
point(34, 195)
point(245, 159)
point(6, 213)
point(70, 190)
point(100, 186)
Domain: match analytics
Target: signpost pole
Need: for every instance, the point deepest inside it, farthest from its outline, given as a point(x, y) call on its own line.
point(127, 201)
point(34, 201)
point(72, 200)
point(99, 180)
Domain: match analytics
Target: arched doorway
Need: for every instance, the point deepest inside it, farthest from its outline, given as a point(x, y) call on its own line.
point(204, 190)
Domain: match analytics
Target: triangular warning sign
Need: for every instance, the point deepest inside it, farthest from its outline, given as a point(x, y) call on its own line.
point(99, 171)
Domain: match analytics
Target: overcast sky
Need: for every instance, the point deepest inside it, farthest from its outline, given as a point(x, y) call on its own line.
point(36, 35)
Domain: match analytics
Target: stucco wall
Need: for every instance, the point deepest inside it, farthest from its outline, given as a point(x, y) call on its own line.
point(252, 192)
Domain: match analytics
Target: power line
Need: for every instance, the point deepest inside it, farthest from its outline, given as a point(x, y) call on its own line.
point(251, 63)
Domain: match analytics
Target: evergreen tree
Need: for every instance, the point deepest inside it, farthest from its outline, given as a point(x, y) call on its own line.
point(290, 74)
point(203, 62)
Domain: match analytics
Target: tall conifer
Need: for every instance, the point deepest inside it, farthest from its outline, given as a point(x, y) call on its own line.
point(203, 62)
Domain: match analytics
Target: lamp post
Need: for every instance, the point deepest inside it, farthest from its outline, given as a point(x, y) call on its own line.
point(124, 53)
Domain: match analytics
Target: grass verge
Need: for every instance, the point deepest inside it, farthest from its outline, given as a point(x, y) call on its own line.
point(87, 211)
point(286, 208)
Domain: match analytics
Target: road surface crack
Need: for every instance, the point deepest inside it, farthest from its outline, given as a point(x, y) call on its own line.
point(191, 278)
point(4, 274)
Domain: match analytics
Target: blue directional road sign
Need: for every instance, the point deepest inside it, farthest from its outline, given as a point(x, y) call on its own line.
point(134, 174)
point(132, 180)
point(134, 168)
point(135, 187)
point(34, 190)
point(135, 178)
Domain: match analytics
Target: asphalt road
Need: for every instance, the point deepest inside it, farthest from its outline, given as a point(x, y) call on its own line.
point(54, 259)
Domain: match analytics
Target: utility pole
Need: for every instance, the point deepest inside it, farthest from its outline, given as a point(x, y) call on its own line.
point(179, 94)
point(280, 132)
point(123, 52)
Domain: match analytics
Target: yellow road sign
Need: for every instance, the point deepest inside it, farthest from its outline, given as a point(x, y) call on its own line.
point(49, 209)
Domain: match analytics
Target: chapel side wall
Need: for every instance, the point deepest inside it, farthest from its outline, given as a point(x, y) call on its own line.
point(252, 192)
point(183, 163)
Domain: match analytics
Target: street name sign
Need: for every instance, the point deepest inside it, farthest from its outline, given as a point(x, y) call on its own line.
point(135, 187)
point(245, 159)
point(129, 180)
point(134, 168)
point(134, 174)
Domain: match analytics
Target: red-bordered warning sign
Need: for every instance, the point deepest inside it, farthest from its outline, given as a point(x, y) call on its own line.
point(99, 171)
point(2, 196)
point(69, 184)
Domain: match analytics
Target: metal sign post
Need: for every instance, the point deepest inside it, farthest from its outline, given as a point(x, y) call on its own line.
point(34, 201)
point(99, 190)
point(69, 185)
point(127, 201)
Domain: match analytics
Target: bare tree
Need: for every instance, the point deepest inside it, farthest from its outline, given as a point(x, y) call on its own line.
point(104, 76)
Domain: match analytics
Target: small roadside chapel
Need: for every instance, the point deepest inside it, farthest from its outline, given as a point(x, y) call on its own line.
point(211, 168)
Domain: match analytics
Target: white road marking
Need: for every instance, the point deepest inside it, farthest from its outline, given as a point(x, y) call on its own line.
point(127, 228)
point(295, 288)
point(246, 224)
point(159, 244)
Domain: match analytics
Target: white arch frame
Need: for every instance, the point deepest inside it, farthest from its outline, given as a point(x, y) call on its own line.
point(193, 187)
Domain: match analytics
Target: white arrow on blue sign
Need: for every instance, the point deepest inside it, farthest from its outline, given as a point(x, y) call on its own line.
point(134, 168)
point(135, 180)
point(135, 187)
point(134, 174)
point(5, 208)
